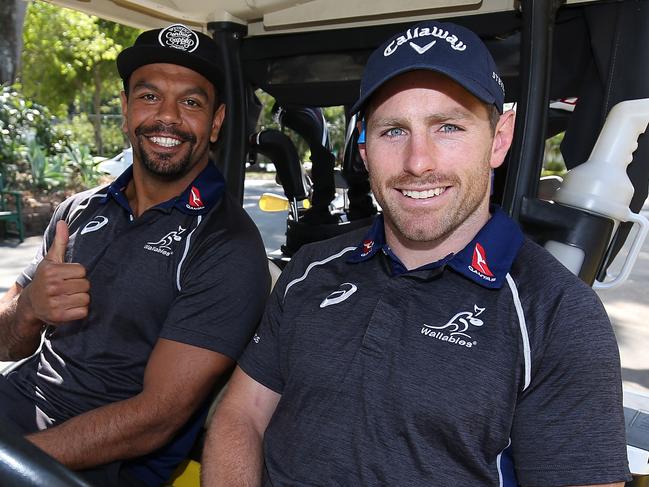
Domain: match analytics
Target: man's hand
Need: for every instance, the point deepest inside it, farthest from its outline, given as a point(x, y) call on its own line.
point(59, 291)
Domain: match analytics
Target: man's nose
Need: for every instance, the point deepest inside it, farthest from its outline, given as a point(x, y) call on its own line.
point(169, 112)
point(420, 156)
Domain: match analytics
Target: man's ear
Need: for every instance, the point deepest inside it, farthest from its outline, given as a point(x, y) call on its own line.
point(217, 122)
point(503, 136)
point(360, 126)
point(124, 100)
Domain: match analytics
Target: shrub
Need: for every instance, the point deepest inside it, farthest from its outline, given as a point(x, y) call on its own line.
point(39, 155)
point(21, 122)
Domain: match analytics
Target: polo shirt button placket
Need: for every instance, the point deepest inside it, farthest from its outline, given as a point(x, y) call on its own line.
point(388, 314)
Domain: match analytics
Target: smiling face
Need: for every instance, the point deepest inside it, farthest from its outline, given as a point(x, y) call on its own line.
point(429, 151)
point(170, 119)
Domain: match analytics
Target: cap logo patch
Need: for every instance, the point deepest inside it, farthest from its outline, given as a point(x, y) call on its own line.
point(479, 264)
point(417, 32)
point(421, 50)
point(179, 37)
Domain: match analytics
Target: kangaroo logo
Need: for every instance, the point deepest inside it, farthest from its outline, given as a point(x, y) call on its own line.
point(163, 246)
point(459, 324)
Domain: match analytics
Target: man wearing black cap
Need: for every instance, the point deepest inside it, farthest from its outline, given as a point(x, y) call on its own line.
point(147, 289)
point(440, 347)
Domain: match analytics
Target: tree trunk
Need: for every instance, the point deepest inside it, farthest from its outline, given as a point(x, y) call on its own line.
point(12, 15)
point(96, 108)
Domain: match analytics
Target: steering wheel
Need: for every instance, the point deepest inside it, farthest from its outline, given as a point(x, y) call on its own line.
point(24, 464)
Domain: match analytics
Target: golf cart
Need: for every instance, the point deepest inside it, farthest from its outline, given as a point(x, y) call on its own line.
point(549, 53)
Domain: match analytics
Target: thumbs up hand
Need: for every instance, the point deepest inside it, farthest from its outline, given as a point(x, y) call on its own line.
point(59, 291)
point(56, 254)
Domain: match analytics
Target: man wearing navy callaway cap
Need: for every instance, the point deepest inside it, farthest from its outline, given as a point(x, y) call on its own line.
point(133, 291)
point(441, 346)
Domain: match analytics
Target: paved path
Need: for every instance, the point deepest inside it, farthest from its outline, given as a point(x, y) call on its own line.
point(627, 305)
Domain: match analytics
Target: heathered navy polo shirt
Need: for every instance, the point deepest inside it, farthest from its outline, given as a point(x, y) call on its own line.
point(490, 367)
point(192, 269)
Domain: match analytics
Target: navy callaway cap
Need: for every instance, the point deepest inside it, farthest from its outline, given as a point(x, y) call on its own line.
point(446, 48)
point(175, 44)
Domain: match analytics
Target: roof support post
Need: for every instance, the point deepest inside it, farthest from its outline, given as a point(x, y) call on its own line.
point(232, 139)
point(526, 156)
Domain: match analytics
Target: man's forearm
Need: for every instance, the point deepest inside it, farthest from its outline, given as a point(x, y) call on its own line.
point(233, 453)
point(121, 430)
point(20, 330)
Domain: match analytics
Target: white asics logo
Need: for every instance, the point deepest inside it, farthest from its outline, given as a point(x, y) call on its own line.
point(345, 290)
point(94, 225)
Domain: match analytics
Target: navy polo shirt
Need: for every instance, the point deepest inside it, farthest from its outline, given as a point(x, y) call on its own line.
point(192, 269)
point(490, 367)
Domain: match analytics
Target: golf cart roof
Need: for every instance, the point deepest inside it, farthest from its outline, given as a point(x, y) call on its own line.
point(312, 53)
point(271, 17)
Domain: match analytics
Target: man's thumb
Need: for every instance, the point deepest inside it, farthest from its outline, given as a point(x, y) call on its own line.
point(57, 250)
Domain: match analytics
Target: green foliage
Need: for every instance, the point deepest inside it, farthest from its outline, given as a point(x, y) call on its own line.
point(22, 118)
point(68, 65)
point(335, 117)
point(62, 48)
point(35, 153)
point(47, 172)
point(553, 160)
point(21, 121)
point(78, 128)
point(82, 165)
point(115, 140)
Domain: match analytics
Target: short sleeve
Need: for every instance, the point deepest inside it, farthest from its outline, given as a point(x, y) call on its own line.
point(569, 424)
point(262, 358)
point(224, 288)
point(26, 276)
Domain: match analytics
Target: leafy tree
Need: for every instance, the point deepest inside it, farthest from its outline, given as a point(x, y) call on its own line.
point(69, 61)
point(12, 13)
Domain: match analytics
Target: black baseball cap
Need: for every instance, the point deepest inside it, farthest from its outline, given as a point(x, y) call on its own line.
point(175, 44)
point(446, 48)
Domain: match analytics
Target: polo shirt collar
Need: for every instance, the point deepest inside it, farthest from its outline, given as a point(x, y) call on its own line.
point(489, 256)
point(116, 189)
point(198, 198)
point(373, 241)
point(486, 260)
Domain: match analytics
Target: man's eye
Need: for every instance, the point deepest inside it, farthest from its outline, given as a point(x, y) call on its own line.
point(192, 103)
point(449, 128)
point(148, 97)
point(394, 132)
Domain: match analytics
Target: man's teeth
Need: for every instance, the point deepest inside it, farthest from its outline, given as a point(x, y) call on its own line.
point(165, 141)
point(418, 195)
